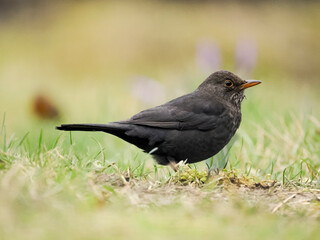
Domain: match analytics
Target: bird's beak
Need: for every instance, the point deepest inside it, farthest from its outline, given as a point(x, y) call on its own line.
point(249, 83)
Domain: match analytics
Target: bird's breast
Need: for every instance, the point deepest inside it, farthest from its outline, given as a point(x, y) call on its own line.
point(197, 145)
point(234, 120)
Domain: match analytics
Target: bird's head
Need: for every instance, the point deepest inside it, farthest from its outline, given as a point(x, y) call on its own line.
point(226, 85)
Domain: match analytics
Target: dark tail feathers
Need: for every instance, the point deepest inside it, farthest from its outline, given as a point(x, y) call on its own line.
point(92, 127)
point(119, 129)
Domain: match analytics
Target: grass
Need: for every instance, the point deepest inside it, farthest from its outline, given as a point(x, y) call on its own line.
point(57, 185)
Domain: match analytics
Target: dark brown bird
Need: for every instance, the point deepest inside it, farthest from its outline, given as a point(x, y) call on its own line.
point(191, 128)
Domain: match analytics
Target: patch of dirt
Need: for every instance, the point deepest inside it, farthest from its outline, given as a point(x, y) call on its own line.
point(117, 180)
point(191, 188)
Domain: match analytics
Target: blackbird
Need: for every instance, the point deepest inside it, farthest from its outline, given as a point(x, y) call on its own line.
point(190, 128)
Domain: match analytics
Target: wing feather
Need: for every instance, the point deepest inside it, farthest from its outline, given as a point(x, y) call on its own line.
point(200, 114)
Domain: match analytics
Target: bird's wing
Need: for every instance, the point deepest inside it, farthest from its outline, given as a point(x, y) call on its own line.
point(185, 113)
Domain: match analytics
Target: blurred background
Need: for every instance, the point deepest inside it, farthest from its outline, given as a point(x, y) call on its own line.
point(101, 61)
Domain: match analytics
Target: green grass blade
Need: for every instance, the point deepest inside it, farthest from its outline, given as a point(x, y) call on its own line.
point(23, 139)
point(40, 140)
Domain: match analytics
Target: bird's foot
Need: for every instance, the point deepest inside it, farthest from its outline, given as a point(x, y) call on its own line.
point(212, 172)
point(174, 166)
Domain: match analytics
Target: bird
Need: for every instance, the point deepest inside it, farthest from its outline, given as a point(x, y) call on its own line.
point(190, 128)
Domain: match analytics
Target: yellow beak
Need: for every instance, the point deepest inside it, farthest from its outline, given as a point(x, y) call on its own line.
point(249, 83)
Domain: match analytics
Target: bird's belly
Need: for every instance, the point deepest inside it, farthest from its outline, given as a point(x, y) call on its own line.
point(194, 145)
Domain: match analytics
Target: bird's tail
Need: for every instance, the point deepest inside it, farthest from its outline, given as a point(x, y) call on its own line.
point(119, 129)
point(109, 128)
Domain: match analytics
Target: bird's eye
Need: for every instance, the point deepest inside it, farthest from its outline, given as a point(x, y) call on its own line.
point(228, 83)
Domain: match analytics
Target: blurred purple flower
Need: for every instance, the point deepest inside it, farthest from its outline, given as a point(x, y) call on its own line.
point(246, 56)
point(147, 90)
point(208, 56)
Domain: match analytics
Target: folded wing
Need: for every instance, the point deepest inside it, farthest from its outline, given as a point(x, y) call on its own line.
point(196, 114)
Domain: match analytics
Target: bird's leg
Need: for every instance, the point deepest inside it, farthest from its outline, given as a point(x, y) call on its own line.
point(217, 171)
point(208, 176)
point(212, 172)
point(173, 164)
point(226, 162)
